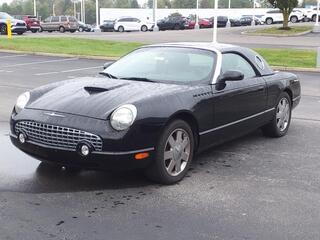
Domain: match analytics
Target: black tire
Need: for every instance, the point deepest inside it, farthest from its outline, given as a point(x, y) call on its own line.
point(314, 18)
point(294, 19)
point(81, 29)
point(157, 170)
point(72, 31)
point(144, 28)
point(272, 129)
point(62, 29)
point(20, 33)
point(34, 31)
point(120, 29)
point(3, 29)
point(269, 21)
point(176, 27)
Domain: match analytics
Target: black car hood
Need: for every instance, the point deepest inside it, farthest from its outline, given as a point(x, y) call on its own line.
point(98, 97)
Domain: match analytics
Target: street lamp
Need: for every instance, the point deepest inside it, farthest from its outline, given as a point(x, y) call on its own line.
point(155, 6)
point(215, 22)
point(196, 26)
point(253, 23)
point(316, 27)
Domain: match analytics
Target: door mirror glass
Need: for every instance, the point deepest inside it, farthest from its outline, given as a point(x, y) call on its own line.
point(231, 76)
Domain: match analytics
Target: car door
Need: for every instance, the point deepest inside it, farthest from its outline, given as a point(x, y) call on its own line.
point(239, 105)
point(55, 23)
point(136, 24)
point(46, 24)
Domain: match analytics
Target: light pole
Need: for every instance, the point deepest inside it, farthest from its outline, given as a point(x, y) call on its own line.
point(97, 13)
point(34, 8)
point(196, 26)
point(253, 23)
point(215, 22)
point(316, 27)
point(229, 4)
point(155, 7)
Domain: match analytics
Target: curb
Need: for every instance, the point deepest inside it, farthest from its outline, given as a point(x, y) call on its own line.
point(276, 68)
point(61, 55)
point(252, 33)
point(296, 69)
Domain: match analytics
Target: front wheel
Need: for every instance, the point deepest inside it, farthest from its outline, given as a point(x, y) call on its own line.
point(279, 125)
point(174, 154)
point(3, 29)
point(120, 29)
point(144, 28)
point(269, 21)
point(294, 19)
point(34, 30)
point(62, 29)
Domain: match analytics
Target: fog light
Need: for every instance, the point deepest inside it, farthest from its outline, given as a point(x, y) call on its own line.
point(22, 138)
point(85, 150)
point(140, 156)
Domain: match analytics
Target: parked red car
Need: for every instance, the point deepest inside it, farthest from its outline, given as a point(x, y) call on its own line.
point(203, 23)
point(33, 24)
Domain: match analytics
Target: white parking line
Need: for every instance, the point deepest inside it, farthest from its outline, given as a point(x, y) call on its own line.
point(33, 63)
point(67, 71)
point(12, 56)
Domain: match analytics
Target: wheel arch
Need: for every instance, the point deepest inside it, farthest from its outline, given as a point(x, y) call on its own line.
point(289, 92)
point(189, 118)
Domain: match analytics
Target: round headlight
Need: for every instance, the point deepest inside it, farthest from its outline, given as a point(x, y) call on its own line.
point(123, 117)
point(22, 101)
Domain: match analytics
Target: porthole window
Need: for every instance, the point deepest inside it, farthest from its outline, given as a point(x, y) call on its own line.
point(259, 62)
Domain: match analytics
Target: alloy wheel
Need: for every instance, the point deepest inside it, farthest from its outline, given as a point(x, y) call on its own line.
point(177, 152)
point(283, 114)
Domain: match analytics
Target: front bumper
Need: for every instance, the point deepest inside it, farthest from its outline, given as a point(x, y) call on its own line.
point(118, 149)
point(95, 161)
point(18, 29)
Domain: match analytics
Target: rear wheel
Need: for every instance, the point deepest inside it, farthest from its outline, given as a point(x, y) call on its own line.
point(280, 123)
point(144, 28)
point(34, 30)
point(120, 29)
point(294, 19)
point(62, 29)
point(269, 21)
point(314, 18)
point(174, 154)
point(20, 33)
point(3, 29)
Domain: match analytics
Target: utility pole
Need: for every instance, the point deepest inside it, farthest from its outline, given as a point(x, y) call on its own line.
point(215, 23)
point(97, 13)
point(34, 8)
point(253, 23)
point(316, 27)
point(155, 7)
point(196, 26)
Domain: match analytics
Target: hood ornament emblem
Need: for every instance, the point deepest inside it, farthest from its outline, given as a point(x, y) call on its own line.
point(53, 114)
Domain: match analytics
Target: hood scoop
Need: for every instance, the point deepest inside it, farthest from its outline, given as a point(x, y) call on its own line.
point(95, 90)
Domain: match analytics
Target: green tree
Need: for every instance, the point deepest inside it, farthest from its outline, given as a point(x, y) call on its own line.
point(184, 3)
point(286, 7)
point(134, 4)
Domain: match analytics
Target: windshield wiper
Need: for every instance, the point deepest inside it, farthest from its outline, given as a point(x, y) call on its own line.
point(138, 79)
point(108, 75)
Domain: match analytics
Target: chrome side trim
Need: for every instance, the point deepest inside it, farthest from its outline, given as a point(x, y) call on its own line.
point(295, 99)
point(235, 122)
point(125, 153)
point(94, 152)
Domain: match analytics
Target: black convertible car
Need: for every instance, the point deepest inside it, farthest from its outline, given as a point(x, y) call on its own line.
point(155, 108)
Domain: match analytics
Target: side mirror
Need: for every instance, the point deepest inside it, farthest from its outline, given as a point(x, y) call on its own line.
point(106, 65)
point(231, 76)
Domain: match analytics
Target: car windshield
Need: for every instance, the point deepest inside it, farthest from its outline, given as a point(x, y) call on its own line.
point(5, 16)
point(165, 64)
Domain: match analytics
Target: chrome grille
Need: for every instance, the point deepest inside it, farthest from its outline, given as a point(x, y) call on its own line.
point(57, 136)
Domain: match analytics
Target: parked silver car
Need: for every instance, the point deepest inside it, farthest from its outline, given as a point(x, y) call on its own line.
point(59, 23)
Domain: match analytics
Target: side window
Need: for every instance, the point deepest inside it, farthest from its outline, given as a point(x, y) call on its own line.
point(64, 19)
point(72, 19)
point(47, 19)
point(232, 61)
point(55, 19)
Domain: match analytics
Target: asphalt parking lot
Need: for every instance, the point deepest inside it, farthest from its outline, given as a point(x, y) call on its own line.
point(251, 188)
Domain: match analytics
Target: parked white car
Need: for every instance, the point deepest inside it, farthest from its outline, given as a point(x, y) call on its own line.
point(311, 14)
point(132, 24)
point(275, 16)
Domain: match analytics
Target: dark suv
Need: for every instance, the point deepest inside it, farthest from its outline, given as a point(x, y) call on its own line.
point(33, 24)
point(60, 23)
point(173, 23)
